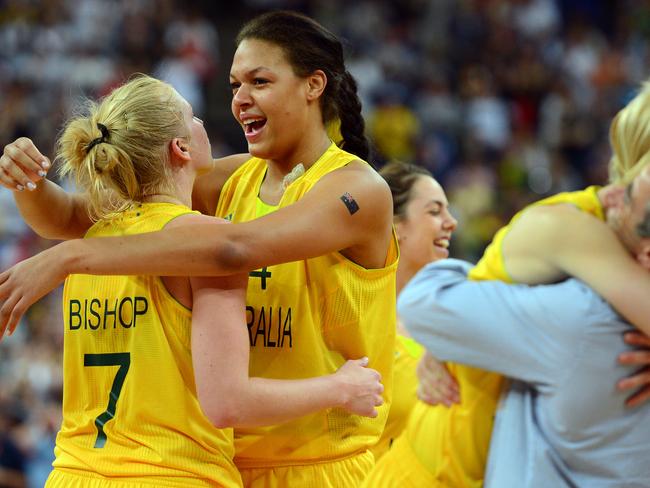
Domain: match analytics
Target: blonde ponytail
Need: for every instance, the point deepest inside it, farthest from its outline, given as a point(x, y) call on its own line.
point(117, 151)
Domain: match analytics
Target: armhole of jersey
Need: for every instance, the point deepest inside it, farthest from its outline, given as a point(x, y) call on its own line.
point(391, 260)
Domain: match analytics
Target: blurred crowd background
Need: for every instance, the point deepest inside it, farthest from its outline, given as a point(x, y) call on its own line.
point(505, 101)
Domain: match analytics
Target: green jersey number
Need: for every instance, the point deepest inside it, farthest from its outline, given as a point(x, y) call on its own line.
point(123, 360)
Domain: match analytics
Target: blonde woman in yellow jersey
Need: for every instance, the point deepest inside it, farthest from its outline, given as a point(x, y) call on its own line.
point(424, 227)
point(562, 235)
point(152, 365)
point(335, 297)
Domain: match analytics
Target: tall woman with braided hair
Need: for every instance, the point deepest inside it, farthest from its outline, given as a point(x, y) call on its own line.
point(147, 357)
point(298, 199)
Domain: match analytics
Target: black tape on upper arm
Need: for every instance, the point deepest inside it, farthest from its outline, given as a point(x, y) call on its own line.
point(350, 203)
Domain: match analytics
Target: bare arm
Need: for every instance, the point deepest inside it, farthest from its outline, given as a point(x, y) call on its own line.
point(317, 224)
point(220, 355)
point(230, 398)
point(46, 208)
point(549, 243)
point(55, 214)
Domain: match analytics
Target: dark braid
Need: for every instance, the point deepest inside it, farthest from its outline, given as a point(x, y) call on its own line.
point(310, 47)
point(352, 123)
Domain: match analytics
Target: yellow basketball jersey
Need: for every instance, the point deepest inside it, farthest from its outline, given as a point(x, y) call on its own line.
point(405, 388)
point(453, 442)
point(305, 318)
point(130, 408)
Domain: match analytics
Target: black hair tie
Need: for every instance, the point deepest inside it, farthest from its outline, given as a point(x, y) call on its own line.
point(104, 138)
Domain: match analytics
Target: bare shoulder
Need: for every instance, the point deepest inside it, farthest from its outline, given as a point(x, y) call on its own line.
point(207, 187)
point(361, 202)
point(547, 237)
point(561, 221)
point(358, 181)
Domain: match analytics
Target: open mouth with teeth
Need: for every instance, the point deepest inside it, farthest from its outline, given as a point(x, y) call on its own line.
point(443, 243)
point(252, 127)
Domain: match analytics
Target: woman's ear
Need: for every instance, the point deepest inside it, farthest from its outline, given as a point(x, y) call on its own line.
point(180, 151)
point(316, 83)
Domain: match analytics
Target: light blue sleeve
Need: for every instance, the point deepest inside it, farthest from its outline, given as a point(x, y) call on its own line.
point(517, 330)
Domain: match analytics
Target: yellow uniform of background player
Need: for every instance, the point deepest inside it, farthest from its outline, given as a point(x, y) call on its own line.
point(130, 406)
point(405, 385)
point(447, 447)
point(424, 227)
point(304, 319)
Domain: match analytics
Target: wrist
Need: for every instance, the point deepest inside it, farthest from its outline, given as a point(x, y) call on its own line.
point(340, 389)
point(69, 256)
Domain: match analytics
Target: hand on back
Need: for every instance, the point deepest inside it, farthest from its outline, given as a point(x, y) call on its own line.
point(640, 356)
point(436, 385)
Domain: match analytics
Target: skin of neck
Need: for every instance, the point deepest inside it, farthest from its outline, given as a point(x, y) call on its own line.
point(310, 147)
point(405, 271)
point(183, 180)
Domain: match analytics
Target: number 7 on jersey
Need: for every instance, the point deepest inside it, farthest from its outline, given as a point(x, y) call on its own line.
point(123, 360)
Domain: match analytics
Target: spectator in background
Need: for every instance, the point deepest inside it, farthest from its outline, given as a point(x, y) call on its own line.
point(54, 53)
point(12, 458)
point(393, 125)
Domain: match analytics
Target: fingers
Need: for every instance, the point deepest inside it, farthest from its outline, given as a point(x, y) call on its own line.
point(640, 357)
point(642, 378)
point(436, 386)
point(21, 164)
point(4, 276)
point(371, 411)
point(16, 314)
point(375, 380)
point(32, 157)
point(438, 395)
point(637, 338)
point(638, 398)
point(7, 318)
point(14, 305)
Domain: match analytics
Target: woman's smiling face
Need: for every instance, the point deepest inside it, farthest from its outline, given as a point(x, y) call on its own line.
point(268, 99)
point(426, 227)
